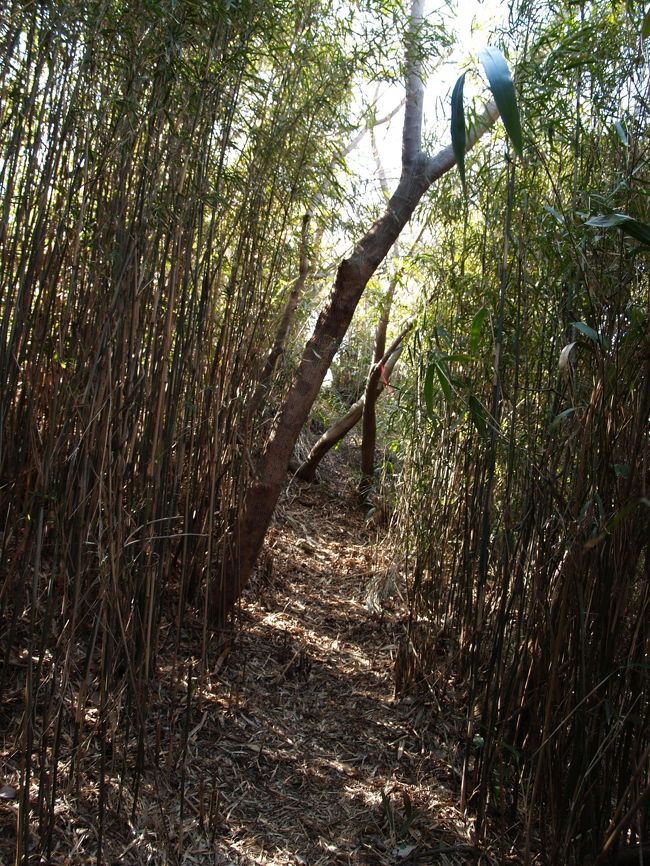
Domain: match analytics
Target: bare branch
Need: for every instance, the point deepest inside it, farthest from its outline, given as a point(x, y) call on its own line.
point(444, 160)
point(412, 133)
point(307, 470)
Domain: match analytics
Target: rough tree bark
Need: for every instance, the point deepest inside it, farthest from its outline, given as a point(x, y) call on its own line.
point(342, 427)
point(369, 423)
point(418, 173)
point(365, 407)
point(307, 258)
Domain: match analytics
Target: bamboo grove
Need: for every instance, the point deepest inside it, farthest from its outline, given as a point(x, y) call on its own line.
point(155, 159)
point(159, 162)
point(524, 496)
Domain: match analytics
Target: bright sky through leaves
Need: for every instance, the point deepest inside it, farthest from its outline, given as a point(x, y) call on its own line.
point(474, 26)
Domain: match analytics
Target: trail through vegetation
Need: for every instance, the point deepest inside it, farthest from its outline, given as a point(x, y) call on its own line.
point(188, 190)
point(293, 748)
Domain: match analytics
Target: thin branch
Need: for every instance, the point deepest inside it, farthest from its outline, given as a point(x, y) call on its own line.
point(444, 160)
point(412, 133)
point(342, 427)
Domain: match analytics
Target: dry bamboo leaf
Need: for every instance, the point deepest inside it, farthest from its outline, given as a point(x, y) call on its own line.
point(564, 362)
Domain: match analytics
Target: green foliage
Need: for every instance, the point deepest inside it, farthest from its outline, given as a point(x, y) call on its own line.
point(476, 328)
point(522, 514)
point(503, 90)
point(638, 230)
point(457, 375)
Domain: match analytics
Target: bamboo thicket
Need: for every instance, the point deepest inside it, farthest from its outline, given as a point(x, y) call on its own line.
point(155, 159)
point(524, 515)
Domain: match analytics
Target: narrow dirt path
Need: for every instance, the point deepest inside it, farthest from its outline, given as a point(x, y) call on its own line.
point(313, 759)
point(291, 751)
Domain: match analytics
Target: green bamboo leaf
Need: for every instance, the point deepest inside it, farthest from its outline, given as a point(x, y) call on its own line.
point(479, 416)
point(458, 135)
point(558, 216)
point(443, 335)
point(503, 89)
point(587, 331)
point(638, 230)
point(620, 131)
point(593, 335)
point(555, 423)
point(606, 221)
point(443, 378)
point(475, 329)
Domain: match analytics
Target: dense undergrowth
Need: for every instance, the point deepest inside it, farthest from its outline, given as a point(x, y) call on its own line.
point(159, 165)
point(523, 510)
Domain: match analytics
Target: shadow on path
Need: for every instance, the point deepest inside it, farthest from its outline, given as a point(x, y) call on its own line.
point(314, 762)
point(291, 752)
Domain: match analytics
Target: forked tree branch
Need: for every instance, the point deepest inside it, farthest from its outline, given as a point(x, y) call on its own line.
point(418, 173)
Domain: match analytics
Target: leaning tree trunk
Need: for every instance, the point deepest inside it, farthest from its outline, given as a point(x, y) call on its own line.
point(307, 470)
point(306, 264)
point(418, 173)
point(369, 423)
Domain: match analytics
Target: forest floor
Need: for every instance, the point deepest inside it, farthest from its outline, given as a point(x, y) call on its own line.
point(294, 750)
